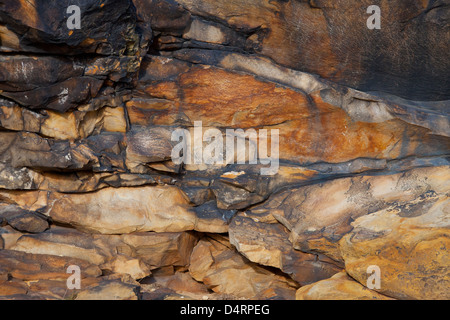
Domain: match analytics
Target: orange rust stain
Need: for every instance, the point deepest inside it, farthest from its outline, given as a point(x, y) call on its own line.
point(234, 100)
point(232, 175)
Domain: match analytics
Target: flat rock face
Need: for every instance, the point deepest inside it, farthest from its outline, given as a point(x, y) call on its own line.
point(230, 149)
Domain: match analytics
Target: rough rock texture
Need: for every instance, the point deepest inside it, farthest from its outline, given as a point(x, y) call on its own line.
point(418, 227)
point(88, 176)
point(268, 244)
point(223, 270)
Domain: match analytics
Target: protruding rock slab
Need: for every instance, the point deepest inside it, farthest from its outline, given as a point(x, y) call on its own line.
point(121, 210)
point(318, 216)
point(225, 271)
point(409, 244)
point(134, 254)
point(176, 286)
point(23, 220)
point(110, 290)
point(311, 128)
point(108, 27)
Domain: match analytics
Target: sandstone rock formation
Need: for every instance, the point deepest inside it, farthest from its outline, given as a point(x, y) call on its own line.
point(352, 125)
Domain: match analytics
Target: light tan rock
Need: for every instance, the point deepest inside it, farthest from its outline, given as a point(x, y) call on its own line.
point(9, 236)
point(121, 210)
point(180, 283)
point(114, 120)
point(125, 210)
point(110, 290)
point(134, 254)
point(338, 287)
point(162, 249)
point(13, 287)
point(13, 117)
point(60, 125)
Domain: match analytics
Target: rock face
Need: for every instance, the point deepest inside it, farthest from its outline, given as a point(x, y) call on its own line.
point(223, 270)
point(419, 227)
point(230, 149)
point(268, 244)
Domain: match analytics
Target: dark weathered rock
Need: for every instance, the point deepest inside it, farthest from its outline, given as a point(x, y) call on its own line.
point(163, 15)
point(122, 210)
point(338, 287)
point(147, 145)
point(43, 27)
point(31, 150)
point(318, 36)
